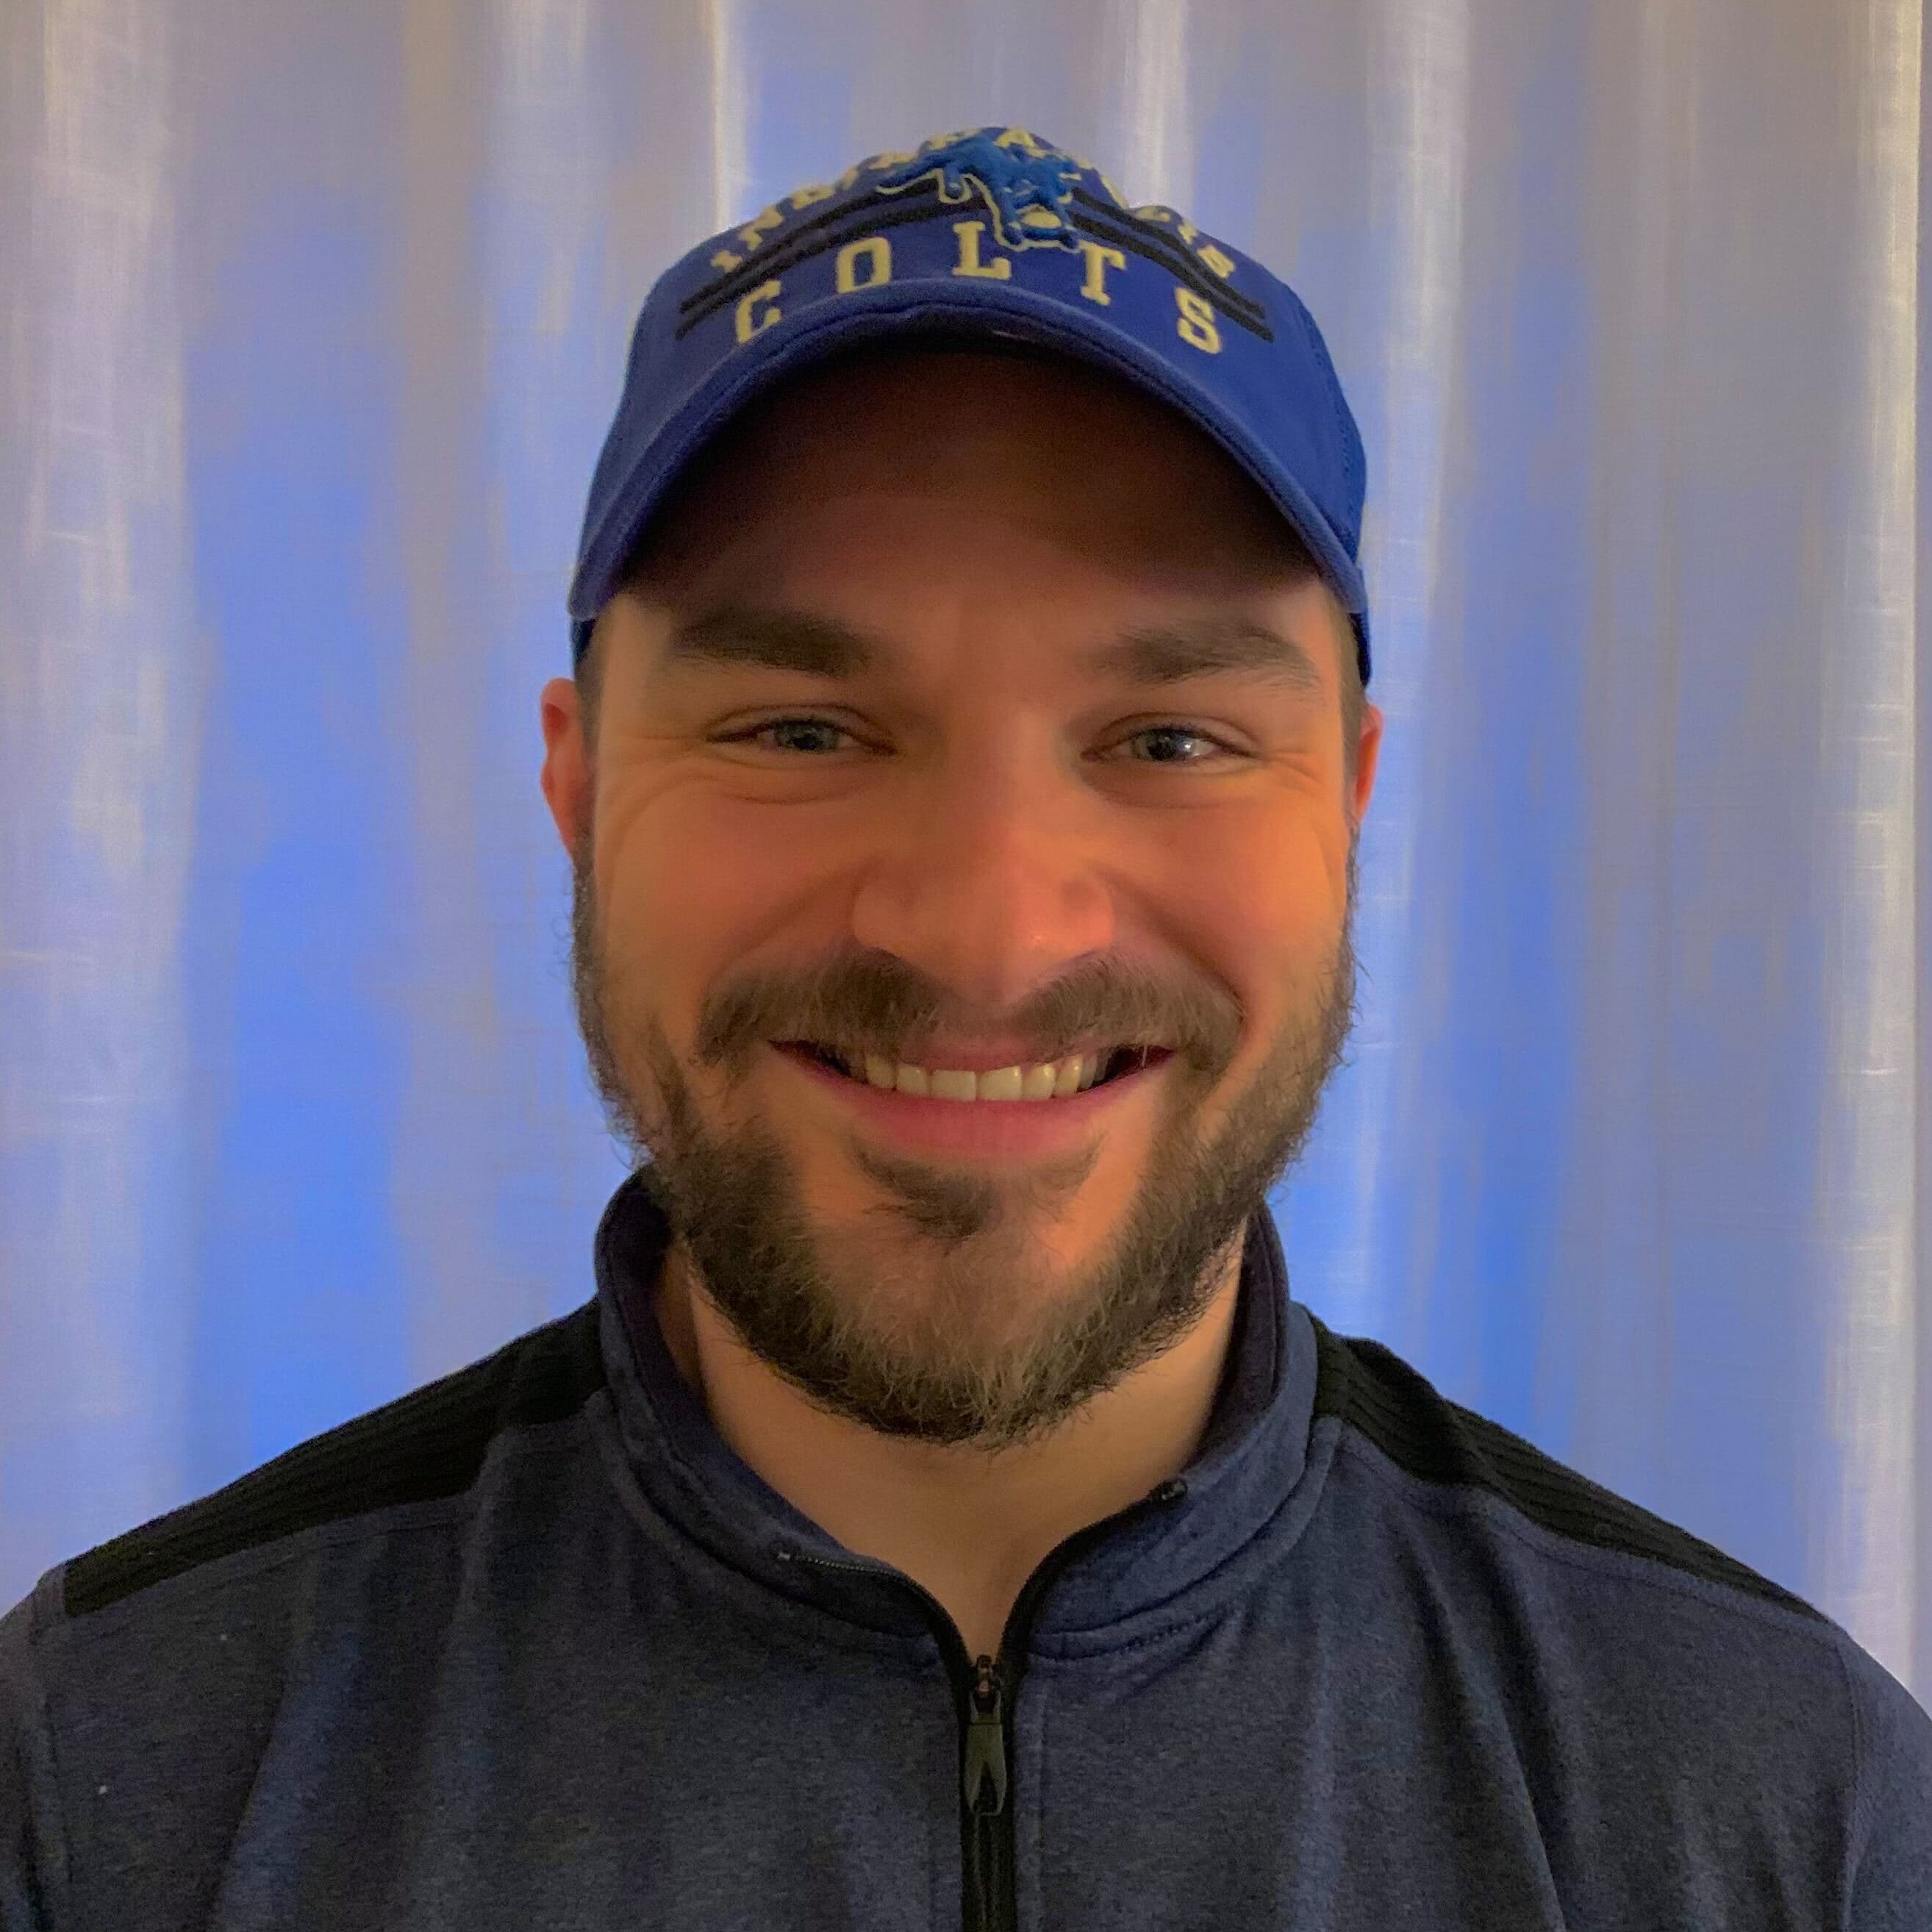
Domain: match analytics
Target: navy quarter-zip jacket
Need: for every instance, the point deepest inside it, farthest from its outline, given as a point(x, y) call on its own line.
point(531, 1648)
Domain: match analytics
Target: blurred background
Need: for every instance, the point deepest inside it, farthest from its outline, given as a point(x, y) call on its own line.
point(314, 318)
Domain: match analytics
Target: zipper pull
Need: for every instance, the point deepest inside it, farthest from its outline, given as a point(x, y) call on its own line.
point(986, 1745)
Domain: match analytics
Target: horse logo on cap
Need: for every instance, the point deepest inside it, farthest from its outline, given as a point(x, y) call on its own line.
point(1026, 185)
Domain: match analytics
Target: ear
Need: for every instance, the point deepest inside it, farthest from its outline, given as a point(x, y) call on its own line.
point(567, 780)
point(1368, 751)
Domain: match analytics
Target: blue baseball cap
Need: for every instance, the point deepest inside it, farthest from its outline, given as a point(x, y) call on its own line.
point(993, 234)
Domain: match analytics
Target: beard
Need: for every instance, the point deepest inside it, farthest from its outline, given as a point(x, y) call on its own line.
point(941, 1314)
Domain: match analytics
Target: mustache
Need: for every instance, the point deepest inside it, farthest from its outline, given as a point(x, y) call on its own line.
point(859, 995)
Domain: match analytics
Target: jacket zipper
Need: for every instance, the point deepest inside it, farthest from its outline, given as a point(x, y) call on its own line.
point(984, 1689)
point(989, 1843)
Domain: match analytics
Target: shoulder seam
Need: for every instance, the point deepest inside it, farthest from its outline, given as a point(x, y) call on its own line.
point(423, 1447)
point(1370, 1389)
point(1855, 1835)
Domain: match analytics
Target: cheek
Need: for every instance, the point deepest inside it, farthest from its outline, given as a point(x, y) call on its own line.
point(700, 873)
point(650, 843)
point(1257, 905)
point(688, 889)
point(1261, 890)
point(644, 881)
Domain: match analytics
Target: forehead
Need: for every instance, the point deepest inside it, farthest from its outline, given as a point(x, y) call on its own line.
point(1075, 454)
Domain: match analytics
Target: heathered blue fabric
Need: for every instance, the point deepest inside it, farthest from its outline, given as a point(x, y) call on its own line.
point(596, 1686)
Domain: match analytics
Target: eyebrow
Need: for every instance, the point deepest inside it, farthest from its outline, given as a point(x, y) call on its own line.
point(736, 637)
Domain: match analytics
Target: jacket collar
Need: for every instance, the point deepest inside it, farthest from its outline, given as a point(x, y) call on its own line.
point(1252, 1454)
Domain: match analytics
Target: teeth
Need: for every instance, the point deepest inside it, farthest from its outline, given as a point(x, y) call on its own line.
point(1051, 1081)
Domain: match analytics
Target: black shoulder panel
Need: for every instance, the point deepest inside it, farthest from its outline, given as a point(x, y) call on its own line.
point(427, 1444)
point(1372, 1389)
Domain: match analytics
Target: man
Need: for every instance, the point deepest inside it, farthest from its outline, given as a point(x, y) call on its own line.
point(941, 1513)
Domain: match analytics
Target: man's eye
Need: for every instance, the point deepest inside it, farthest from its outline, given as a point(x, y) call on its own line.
point(1173, 731)
point(755, 732)
point(1166, 732)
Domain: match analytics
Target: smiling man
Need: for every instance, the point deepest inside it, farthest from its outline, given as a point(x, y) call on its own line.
point(963, 839)
point(942, 1512)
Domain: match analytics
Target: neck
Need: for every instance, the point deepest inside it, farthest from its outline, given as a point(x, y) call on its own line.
point(969, 1525)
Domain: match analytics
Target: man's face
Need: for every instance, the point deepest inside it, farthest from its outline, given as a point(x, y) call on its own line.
point(978, 839)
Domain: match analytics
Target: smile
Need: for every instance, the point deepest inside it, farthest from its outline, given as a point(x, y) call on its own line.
point(979, 1127)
